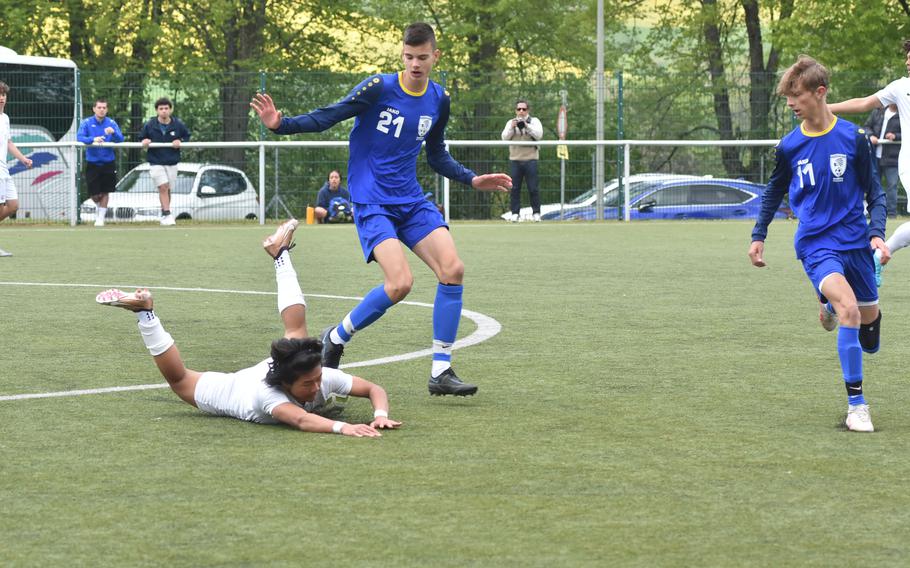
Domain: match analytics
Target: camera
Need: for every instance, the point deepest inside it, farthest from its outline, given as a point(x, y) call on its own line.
point(520, 124)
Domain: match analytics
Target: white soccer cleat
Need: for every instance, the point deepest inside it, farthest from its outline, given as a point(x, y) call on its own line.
point(5, 253)
point(827, 319)
point(859, 419)
point(514, 218)
point(536, 217)
point(99, 221)
point(140, 300)
point(282, 239)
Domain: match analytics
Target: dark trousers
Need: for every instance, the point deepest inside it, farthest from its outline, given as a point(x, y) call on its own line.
point(524, 171)
point(891, 181)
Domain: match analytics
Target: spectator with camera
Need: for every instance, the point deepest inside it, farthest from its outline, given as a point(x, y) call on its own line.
point(523, 159)
point(333, 203)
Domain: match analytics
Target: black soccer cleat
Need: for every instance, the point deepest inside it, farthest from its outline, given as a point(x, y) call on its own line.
point(449, 383)
point(331, 353)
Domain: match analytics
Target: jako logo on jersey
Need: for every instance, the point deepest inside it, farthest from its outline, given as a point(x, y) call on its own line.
point(424, 126)
point(838, 166)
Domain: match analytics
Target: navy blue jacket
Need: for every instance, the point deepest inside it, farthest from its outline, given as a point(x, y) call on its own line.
point(172, 131)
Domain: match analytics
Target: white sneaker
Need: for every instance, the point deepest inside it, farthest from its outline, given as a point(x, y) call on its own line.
point(140, 300)
point(5, 253)
point(858, 418)
point(827, 319)
point(537, 217)
point(99, 221)
point(514, 218)
point(168, 220)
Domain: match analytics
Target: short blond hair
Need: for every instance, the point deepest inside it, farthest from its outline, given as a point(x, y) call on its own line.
point(805, 74)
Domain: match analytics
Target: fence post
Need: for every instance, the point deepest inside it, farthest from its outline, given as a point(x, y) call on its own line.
point(622, 154)
point(626, 170)
point(445, 195)
point(72, 156)
point(262, 158)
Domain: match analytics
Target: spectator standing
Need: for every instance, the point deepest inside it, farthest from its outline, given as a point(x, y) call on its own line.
point(523, 159)
point(885, 124)
point(9, 198)
point(331, 190)
point(163, 161)
point(100, 169)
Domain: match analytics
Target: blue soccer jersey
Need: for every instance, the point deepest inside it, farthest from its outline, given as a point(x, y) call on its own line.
point(828, 175)
point(390, 126)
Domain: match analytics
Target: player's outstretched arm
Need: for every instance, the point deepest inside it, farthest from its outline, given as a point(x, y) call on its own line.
point(293, 415)
point(757, 253)
point(264, 106)
point(492, 182)
point(378, 398)
point(856, 106)
point(27, 162)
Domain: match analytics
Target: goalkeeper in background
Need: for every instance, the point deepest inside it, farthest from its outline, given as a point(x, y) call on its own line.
point(826, 165)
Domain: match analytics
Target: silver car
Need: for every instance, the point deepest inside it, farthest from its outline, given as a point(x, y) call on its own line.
point(207, 192)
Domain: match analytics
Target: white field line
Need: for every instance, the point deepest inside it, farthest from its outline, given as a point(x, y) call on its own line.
point(487, 327)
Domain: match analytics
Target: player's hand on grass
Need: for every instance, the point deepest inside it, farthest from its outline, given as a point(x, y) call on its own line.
point(383, 422)
point(492, 182)
point(360, 431)
point(878, 244)
point(264, 106)
point(756, 253)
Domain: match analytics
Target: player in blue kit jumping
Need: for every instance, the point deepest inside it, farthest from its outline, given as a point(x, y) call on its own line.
point(826, 165)
point(394, 115)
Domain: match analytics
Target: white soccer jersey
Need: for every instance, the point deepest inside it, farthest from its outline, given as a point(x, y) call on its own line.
point(245, 395)
point(898, 93)
point(4, 143)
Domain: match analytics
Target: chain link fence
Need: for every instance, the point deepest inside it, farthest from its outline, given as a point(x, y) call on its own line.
point(215, 107)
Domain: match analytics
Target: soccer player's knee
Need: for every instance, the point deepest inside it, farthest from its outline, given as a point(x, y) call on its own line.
point(870, 334)
point(453, 273)
point(399, 288)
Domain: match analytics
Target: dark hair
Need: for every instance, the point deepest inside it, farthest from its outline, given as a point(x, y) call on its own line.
point(99, 100)
point(419, 33)
point(292, 358)
point(163, 101)
point(525, 101)
point(806, 73)
point(4, 88)
point(332, 172)
point(907, 46)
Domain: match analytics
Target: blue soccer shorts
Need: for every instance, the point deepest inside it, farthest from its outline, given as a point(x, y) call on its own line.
point(856, 265)
point(407, 222)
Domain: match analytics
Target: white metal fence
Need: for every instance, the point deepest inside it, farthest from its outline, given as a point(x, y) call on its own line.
point(646, 179)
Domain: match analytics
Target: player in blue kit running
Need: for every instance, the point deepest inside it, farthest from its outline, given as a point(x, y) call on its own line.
point(394, 115)
point(826, 165)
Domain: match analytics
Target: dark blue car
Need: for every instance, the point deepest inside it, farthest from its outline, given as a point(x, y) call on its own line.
point(683, 197)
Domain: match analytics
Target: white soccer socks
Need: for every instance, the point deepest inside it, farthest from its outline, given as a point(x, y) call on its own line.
point(289, 292)
point(156, 339)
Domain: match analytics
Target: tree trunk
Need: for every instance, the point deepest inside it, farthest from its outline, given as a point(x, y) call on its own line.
point(136, 79)
point(762, 78)
point(244, 44)
point(711, 30)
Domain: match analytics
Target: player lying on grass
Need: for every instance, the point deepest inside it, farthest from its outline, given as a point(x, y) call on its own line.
point(291, 386)
point(826, 165)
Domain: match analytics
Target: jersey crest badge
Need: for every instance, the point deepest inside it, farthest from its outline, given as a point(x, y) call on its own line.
point(838, 166)
point(423, 126)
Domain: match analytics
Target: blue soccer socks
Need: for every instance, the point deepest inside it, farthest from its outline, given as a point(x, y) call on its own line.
point(370, 309)
point(446, 316)
point(851, 361)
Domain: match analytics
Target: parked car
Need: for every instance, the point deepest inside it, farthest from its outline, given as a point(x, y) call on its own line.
point(588, 198)
point(678, 197)
point(209, 192)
